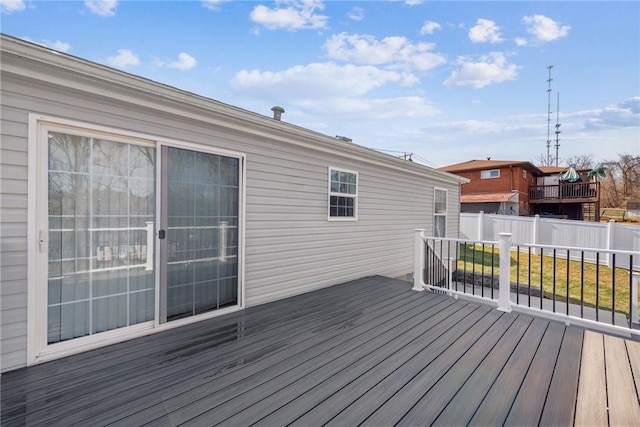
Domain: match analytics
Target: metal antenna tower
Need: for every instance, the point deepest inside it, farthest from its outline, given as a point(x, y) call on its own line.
point(557, 129)
point(549, 80)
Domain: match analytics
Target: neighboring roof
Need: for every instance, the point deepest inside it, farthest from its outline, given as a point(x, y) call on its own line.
point(552, 170)
point(31, 61)
point(490, 164)
point(503, 196)
point(549, 170)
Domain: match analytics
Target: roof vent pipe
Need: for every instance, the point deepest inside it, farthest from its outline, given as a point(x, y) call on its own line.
point(277, 112)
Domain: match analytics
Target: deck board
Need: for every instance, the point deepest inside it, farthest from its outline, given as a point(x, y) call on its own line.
point(368, 351)
point(495, 406)
point(623, 405)
point(591, 406)
point(243, 405)
point(564, 385)
point(396, 394)
point(453, 399)
point(529, 403)
point(193, 364)
point(431, 340)
point(374, 361)
point(633, 350)
point(463, 405)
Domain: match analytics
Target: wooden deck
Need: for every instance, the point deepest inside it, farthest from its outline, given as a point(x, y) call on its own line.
point(369, 352)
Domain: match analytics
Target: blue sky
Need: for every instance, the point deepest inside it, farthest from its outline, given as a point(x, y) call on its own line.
point(447, 81)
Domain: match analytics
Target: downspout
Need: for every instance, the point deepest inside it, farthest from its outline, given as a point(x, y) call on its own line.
point(511, 172)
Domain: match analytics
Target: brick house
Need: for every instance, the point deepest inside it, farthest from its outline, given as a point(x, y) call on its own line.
point(496, 186)
point(512, 187)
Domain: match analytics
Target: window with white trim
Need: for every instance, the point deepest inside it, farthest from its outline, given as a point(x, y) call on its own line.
point(439, 212)
point(343, 194)
point(493, 173)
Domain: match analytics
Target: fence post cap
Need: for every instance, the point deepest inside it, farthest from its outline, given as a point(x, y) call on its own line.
point(505, 234)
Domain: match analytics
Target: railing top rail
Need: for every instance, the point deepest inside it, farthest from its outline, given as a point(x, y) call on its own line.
point(536, 246)
point(455, 239)
point(578, 248)
point(566, 184)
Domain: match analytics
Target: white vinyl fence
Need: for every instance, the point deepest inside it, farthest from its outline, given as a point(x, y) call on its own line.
point(556, 232)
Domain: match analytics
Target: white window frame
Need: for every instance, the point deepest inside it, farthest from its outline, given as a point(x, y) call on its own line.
point(339, 194)
point(489, 174)
point(437, 214)
point(38, 350)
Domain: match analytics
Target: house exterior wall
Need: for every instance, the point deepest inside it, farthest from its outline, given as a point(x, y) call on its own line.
point(290, 245)
point(515, 178)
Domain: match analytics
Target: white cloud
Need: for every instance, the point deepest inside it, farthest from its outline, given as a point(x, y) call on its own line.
point(545, 29)
point(290, 15)
point(184, 62)
point(413, 2)
point(491, 68)
point(213, 4)
point(124, 58)
point(370, 109)
point(356, 14)
point(485, 31)
point(10, 6)
point(102, 7)
point(393, 51)
point(429, 27)
point(521, 41)
point(624, 114)
point(55, 45)
point(316, 81)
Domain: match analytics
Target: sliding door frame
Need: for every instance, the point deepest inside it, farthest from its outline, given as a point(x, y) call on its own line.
point(37, 234)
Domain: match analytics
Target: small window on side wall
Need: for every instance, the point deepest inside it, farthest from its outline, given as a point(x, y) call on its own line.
point(343, 194)
point(439, 213)
point(493, 173)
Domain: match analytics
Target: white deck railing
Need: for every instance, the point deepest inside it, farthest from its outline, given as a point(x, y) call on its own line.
point(443, 265)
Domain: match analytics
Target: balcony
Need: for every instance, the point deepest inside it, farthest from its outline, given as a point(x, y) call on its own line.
point(569, 192)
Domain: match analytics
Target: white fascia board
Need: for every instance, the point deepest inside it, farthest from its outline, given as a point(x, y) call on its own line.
point(25, 60)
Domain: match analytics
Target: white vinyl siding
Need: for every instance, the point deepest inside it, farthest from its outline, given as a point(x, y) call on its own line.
point(290, 247)
point(13, 232)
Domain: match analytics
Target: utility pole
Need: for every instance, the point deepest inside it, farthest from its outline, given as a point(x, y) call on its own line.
point(557, 129)
point(549, 80)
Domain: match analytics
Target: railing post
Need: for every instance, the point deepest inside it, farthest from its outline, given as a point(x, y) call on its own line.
point(504, 295)
point(634, 297)
point(535, 231)
point(610, 239)
point(480, 226)
point(450, 264)
point(418, 260)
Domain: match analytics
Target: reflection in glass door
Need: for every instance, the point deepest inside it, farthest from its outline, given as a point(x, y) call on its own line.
point(101, 211)
point(199, 256)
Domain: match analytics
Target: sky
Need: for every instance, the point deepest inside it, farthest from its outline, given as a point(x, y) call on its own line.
point(444, 81)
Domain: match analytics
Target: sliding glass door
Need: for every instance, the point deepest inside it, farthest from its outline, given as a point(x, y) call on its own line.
point(200, 205)
point(101, 215)
point(101, 234)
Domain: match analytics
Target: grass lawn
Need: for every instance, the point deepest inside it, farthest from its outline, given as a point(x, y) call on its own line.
point(572, 277)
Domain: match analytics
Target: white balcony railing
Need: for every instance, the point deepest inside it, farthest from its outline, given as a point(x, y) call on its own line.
point(551, 281)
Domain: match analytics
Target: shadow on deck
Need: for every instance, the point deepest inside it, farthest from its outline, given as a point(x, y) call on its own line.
point(369, 351)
